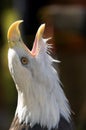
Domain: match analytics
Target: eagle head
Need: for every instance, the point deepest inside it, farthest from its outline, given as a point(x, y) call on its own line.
point(41, 99)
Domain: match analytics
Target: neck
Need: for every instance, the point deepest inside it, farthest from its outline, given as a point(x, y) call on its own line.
point(42, 104)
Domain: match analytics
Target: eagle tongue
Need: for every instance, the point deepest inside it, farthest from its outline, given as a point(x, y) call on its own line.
point(38, 37)
point(35, 47)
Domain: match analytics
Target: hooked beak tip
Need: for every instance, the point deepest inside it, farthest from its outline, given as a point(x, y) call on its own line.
point(13, 31)
point(40, 32)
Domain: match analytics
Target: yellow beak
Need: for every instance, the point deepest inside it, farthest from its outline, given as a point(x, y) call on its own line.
point(40, 32)
point(38, 37)
point(13, 34)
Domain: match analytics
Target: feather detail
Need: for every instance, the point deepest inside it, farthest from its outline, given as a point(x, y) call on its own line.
point(63, 125)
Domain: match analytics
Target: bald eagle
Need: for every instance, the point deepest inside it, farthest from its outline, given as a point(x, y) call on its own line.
point(42, 104)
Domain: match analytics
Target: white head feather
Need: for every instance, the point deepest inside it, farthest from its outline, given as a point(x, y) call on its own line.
point(40, 97)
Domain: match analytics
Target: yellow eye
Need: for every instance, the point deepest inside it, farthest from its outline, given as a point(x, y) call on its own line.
point(24, 60)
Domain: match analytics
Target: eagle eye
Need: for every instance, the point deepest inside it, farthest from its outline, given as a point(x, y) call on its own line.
point(24, 60)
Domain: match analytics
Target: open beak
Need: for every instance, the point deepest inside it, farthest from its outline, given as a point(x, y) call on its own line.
point(14, 35)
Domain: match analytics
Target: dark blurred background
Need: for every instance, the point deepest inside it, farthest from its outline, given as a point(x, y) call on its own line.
point(66, 23)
